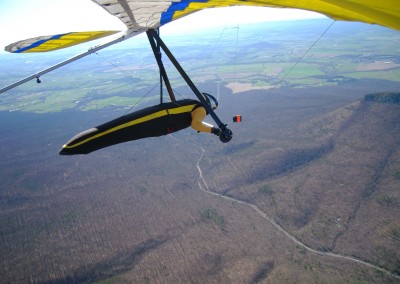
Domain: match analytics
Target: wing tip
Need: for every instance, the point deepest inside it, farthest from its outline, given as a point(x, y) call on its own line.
point(55, 42)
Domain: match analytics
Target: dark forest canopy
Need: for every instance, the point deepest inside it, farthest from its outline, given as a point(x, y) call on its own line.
point(385, 97)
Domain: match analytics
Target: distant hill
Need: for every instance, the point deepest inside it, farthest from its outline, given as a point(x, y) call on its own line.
point(387, 97)
point(336, 186)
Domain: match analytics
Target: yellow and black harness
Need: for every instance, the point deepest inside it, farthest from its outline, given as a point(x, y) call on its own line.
point(152, 121)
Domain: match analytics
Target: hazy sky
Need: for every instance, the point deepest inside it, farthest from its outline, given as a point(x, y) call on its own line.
point(21, 19)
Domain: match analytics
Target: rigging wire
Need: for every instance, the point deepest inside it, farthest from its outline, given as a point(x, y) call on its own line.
point(182, 96)
point(236, 52)
point(305, 53)
point(236, 48)
point(127, 74)
point(220, 36)
point(131, 77)
point(116, 66)
point(261, 103)
point(142, 98)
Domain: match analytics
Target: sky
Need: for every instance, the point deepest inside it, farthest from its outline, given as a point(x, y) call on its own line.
point(22, 19)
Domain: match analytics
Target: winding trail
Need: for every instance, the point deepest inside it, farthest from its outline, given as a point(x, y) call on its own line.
point(204, 187)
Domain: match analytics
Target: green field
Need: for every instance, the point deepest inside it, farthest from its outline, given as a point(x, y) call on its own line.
point(260, 56)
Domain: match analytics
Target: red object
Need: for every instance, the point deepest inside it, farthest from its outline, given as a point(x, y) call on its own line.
point(237, 118)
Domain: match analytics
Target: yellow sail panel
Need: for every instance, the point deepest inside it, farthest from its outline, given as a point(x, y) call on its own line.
point(384, 13)
point(50, 43)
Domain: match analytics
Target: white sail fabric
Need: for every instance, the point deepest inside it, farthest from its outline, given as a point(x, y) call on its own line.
point(138, 16)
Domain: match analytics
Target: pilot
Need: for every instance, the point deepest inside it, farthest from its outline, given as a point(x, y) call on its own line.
point(154, 121)
point(198, 113)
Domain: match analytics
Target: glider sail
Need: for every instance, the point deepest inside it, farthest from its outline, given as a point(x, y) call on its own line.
point(140, 16)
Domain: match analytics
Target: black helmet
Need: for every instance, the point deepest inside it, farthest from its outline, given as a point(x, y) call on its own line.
point(211, 101)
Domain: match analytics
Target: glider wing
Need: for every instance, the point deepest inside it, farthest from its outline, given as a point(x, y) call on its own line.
point(140, 16)
point(50, 43)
